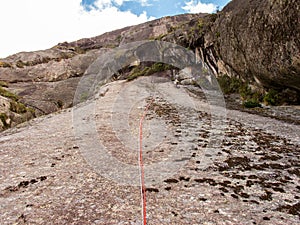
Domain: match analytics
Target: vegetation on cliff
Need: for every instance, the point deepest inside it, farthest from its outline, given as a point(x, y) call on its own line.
point(251, 46)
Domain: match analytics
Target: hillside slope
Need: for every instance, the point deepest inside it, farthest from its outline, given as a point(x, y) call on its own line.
point(59, 178)
point(254, 42)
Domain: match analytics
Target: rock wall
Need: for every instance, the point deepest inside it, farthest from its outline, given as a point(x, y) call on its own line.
point(255, 41)
point(260, 41)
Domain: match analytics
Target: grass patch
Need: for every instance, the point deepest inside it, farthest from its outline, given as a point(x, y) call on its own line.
point(20, 64)
point(200, 24)
point(251, 103)
point(5, 64)
point(148, 70)
point(84, 96)
point(3, 118)
point(271, 98)
point(60, 104)
point(3, 84)
point(229, 85)
point(18, 107)
point(8, 94)
point(80, 50)
point(160, 37)
point(251, 99)
point(119, 38)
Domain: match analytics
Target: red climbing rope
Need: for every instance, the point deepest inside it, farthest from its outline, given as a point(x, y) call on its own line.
point(142, 171)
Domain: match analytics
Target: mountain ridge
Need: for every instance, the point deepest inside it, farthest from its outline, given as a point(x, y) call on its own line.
point(227, 41)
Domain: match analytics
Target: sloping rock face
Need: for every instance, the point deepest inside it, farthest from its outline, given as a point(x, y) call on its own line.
point(13, 113)
point(252, 178)
point(260, 41)
point(42, 78)
point(46, 80)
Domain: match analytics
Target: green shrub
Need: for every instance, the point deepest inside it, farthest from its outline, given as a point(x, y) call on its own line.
point(3, 118)
point(229, 85)
point(200, 24)
point(18, 107)
point(156, 67)
point(32, 111)
point(136, 72)
point(271, 98)
point(160, 37)
point(245, 91)
point(252, 103)
point(20, 64)
point(60, 104)
point(258, 96)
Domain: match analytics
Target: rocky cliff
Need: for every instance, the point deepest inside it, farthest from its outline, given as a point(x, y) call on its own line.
point(252, 40)
point(260, 41)
point(256, 42)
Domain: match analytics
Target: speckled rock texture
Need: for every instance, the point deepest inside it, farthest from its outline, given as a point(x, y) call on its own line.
point(252, 177)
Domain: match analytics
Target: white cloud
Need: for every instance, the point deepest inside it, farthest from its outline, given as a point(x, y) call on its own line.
point(144, 2)
point(39, 24)
point(198, 7)
point(102, 4)
point(119, 2)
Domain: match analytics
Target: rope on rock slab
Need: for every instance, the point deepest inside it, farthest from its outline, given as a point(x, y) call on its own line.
point(141, 165)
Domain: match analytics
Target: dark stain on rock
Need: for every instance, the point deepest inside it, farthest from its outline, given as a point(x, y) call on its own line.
point(184, 179)
point(267, 196)
point(266, 218)
point(152, 190)
point(295, 171)
point(206, 180)
point(249, 183)
point(279, 189)
point(223, 189)
point(21, 185)
point(22, 218)
point(244, 195)
point(241, 163)
point(171, 180)
point(239, 177)
point(168, 188)
point(291, 209)
point(42, 178)
point(253, 177)
point(270, 157)
point(234, 196)
point(33, 181)
point(174, 213)
point(255, 202)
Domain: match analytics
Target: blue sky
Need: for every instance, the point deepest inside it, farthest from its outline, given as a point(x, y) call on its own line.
point(155, 8)
point(29, 25)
